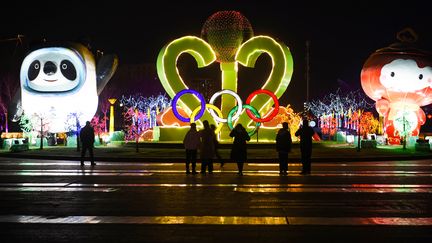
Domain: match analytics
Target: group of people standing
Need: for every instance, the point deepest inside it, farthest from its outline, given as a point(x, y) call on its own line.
point(206, 142)
point(284, 142)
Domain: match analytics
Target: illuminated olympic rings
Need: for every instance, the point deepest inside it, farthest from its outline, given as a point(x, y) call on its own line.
point(186, 91)
point(212, 107)
point(274, 112)
point(247, 107)
point(250, 110)
point(230, 92)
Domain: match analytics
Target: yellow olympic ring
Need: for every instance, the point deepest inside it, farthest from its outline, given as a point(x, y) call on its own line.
point(208, 106)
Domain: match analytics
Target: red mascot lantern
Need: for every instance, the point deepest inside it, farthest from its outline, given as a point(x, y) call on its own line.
point(399, 79)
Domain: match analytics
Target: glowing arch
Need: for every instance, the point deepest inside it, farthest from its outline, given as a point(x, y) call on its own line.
point(169, 74)
point(280, 75)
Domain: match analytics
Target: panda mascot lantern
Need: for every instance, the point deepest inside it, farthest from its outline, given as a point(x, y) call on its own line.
point(58, 81)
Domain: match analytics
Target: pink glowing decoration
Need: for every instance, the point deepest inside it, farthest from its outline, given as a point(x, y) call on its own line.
point(399, 79)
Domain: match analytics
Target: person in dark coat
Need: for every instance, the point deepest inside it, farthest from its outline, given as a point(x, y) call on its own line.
point(207, 148)
point(305, 132)
point(191, 143)
point(218, 156)
point(238, 149)
point(87, 139)
point(283, 147)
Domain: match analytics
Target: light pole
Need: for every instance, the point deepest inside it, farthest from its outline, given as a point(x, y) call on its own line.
point(111, 122)
point(6, 118)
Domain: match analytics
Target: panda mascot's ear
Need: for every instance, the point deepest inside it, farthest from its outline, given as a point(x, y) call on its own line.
point(105, 69)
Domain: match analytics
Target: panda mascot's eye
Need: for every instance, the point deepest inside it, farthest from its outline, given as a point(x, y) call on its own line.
point(421, 76)
point(33, 70)
point(68, 70)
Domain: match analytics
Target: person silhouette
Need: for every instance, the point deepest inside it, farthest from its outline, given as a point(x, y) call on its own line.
point(87, 139)
point(191, 143)
point(239, 149)
point(216, 142)
point(283, 147)
point(305, 132)
point(207, 148)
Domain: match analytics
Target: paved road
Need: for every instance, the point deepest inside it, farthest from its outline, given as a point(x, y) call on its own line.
point(58, 201)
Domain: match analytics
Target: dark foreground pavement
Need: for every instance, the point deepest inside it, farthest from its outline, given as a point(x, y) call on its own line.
point(59, 201)
point(205, 233)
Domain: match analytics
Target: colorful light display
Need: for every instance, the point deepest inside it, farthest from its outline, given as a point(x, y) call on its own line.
point(338, 111)
point(280, 75)
point(188, 91)
point(269, 116)
point(169, 75)
point(222, 48)
point(247, 107)
point(141, 113)
point(168, 119)
point(58, 81)
point(255, 116)
point(211, 107)
point(399, 79)
point(237, 98)
point(225, 31)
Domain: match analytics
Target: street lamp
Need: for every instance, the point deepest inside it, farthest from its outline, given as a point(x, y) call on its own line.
point(111, 123)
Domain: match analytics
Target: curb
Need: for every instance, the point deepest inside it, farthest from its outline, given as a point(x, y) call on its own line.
point(182, 160)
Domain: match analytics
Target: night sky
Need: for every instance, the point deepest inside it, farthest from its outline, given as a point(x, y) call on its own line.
point(341, 36)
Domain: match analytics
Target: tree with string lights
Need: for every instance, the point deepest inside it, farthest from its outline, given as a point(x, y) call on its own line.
point(140, 114)
point(335, 111)
point(150, 106)
point(99, 125)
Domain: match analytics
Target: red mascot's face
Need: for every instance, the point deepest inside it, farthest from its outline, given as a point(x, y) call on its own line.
point(398, 77)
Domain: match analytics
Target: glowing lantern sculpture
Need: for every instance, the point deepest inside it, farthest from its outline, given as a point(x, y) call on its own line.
point(227, 39)
point(399, 79)
point(60, 80)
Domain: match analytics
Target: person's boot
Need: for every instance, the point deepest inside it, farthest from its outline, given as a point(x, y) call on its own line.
point(93, 163)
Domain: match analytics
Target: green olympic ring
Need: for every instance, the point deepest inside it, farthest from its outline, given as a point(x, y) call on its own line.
point(251, 108)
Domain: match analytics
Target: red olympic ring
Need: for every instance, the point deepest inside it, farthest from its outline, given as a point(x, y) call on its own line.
point(274, 112)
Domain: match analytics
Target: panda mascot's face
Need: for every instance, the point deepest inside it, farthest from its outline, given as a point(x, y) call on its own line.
point(57, 82)
point(53, 69)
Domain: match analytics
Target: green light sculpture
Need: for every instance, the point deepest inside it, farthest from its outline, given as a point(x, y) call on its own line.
point(229, 41)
